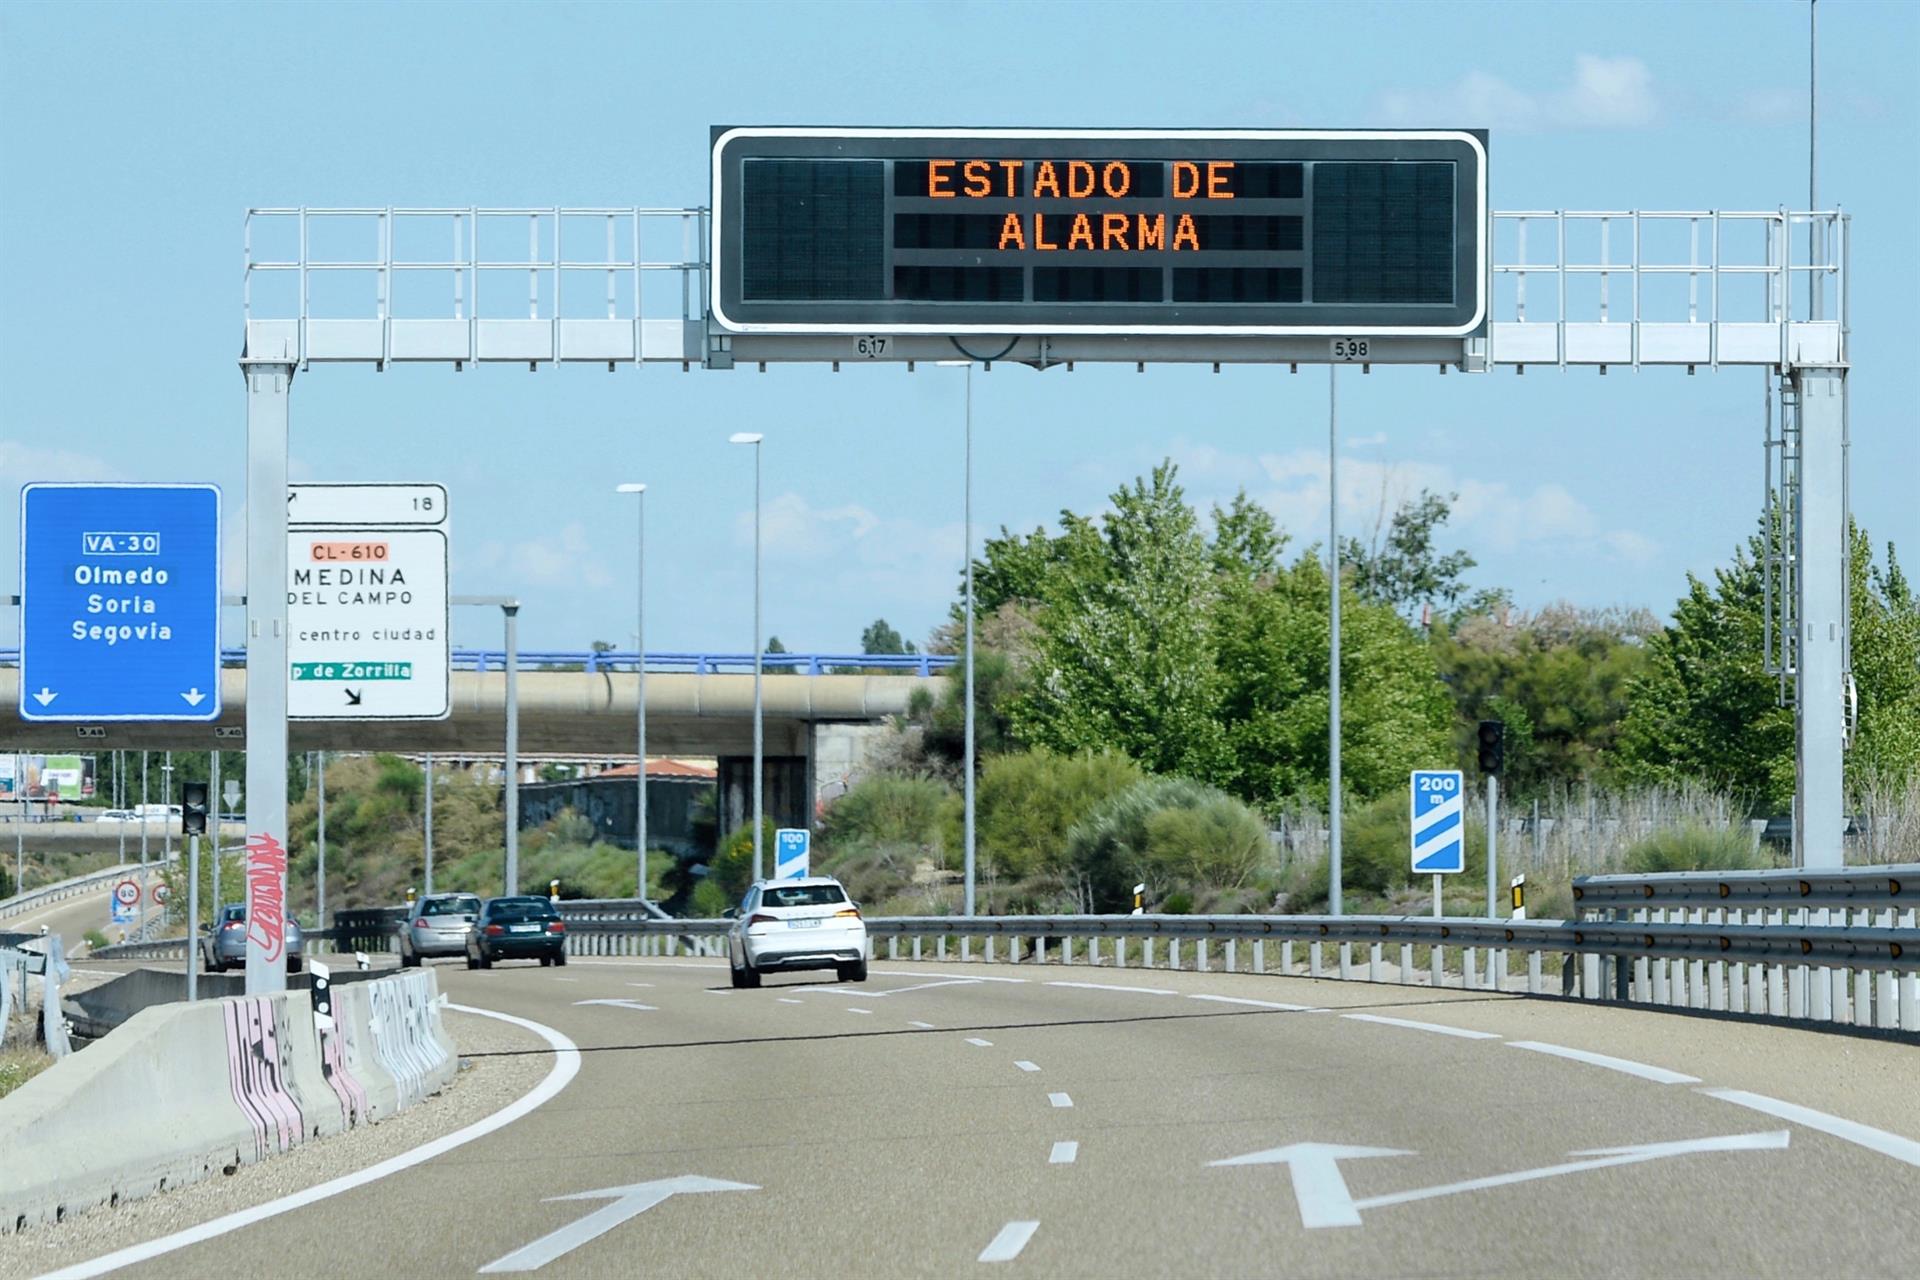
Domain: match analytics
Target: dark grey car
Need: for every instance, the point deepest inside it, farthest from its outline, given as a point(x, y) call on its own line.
point(226, 946)
point(437, 926)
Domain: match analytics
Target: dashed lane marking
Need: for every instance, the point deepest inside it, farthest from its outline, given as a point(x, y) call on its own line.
point(1260, 1004)
point(1059, 1099)
point(1027, 1066)
point(1064, 1153)
point(1411, 1025)
point(1861, 1135)
point(1007, 1245)
point(978, 1043)
point(924, 1026)
point(1114, 986)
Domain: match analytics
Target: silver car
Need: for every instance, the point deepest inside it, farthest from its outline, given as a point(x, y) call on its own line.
point(225, 947)
point(437, 926)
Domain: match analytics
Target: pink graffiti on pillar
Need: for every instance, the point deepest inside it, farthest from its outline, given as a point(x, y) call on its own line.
point(266, 893)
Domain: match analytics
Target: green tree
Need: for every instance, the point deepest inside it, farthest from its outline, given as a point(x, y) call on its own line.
point(1405, 571)
point(1029, 801)
point(1558, 679)
point(774, 645)
point(1705, 709)
point(1273, 643)
point(1124, 659)
point(882, 638)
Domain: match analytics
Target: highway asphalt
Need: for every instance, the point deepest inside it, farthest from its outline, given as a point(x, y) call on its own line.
point(945, 1120)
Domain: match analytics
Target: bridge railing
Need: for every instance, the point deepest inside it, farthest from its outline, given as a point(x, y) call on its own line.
point(691, 662)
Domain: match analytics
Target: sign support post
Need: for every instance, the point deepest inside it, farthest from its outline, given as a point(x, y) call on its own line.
point(269, 384)
point(193, 917)
point(1493, 860)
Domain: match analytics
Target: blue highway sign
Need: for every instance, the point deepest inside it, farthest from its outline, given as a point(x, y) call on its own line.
point(120, 602)
point(1439, 821)
point(791, 846)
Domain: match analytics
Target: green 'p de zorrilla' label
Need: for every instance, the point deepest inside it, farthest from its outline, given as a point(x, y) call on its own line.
point(353, 671)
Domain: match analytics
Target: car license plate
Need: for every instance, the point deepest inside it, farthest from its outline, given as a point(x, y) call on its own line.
point(803, 924)
point(526, 928)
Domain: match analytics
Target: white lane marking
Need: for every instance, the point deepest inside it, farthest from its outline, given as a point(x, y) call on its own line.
point(1861, 1135)
point(789, 1000)
point(964, 977)
point(1260, 1004)
point(924, 1026)
point(654, 964)
point(851, 1009)
point(639, 984)
point(1659, 1075)
point(712, 992)
point(1411, 1025)
point(1319, 1188)
point(1603, 1158)
point(925, 986)
point(1007, 1245)
point(566, 979)
point(978, 1043)
point(621, 1004)
point(1064, 1153)
point(628, 1202)
point(1114, 986)
point(566, 1065)
point(1024, 1065)
point(1059, 1099)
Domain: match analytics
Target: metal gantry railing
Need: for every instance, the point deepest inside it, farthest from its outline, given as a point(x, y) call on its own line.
point(1600, 288)
point(1610, 308)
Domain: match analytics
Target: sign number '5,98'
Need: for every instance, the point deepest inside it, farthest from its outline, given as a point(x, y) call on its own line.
point(1349, 348)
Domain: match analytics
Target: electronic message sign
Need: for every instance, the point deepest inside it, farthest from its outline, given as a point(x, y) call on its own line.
point(1020, 231)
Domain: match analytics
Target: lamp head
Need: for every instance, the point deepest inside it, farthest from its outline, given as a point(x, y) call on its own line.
point(745, 437)
point(630, 488)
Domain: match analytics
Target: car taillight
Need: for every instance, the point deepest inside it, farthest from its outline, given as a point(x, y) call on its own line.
point(758, 918)
point(557, 926)
point(850, 911)
point(232, 924)
point(421, 923)
point(494, 931)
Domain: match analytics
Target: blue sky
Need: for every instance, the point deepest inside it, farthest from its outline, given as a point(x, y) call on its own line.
point(132, 137)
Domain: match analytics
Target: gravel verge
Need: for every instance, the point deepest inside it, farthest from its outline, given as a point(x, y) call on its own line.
point(483, 1086)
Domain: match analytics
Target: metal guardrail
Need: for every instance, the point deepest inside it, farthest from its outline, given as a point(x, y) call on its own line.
point(156, 949)
point(1895, 886)
point(45, 894)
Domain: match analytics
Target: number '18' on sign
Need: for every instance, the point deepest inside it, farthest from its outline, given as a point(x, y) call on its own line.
point(1438, 799)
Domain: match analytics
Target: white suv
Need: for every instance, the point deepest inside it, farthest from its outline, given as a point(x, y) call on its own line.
point(797, 924)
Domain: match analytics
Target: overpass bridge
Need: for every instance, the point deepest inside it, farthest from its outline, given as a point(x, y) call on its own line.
point(820, 713)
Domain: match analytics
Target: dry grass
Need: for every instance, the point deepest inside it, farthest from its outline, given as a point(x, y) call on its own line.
point(19, 1065)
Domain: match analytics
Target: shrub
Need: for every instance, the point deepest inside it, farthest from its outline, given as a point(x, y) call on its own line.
point(732, 867)
point(1164, 831)
point(1028, 802)
point(889, 810)
point(1695, 847)
point(709, 899)
point(95, 939)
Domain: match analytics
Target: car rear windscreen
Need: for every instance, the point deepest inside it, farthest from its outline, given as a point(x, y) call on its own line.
point(802, 895)
point(534, 910)
point(450, 907)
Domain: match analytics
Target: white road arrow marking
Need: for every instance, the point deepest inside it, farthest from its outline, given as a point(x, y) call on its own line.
point(1325, 1201)
point(627, 1202)
point(45, 696)
point(618, 1004)
point(1318, 1186)
point(1607, 1157)
point(193, 696)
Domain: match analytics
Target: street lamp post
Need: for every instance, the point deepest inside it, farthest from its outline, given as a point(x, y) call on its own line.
point(967, 758)
point(759, 643)
point(640, 698)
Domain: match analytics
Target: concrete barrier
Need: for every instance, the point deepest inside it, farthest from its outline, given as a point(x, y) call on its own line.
point(183, 1091)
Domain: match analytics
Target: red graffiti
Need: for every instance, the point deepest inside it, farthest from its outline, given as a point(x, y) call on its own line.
point(266, 894)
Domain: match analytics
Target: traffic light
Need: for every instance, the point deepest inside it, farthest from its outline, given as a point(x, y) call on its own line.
point(193, 807)
point(1493, 745)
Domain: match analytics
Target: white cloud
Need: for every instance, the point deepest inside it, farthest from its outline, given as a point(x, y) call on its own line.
point(566, 557)
point(1488, 514)
point(1604, 93)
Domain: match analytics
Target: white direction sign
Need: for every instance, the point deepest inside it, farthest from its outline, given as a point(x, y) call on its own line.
point(367, 602)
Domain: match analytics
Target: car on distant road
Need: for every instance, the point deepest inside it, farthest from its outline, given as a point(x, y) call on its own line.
point(225, 945)
point(785, 925)
point(519, 928)
point(437, 926)
point(117, 815)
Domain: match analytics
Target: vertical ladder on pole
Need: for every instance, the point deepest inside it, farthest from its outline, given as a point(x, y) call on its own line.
point(1780, 563)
